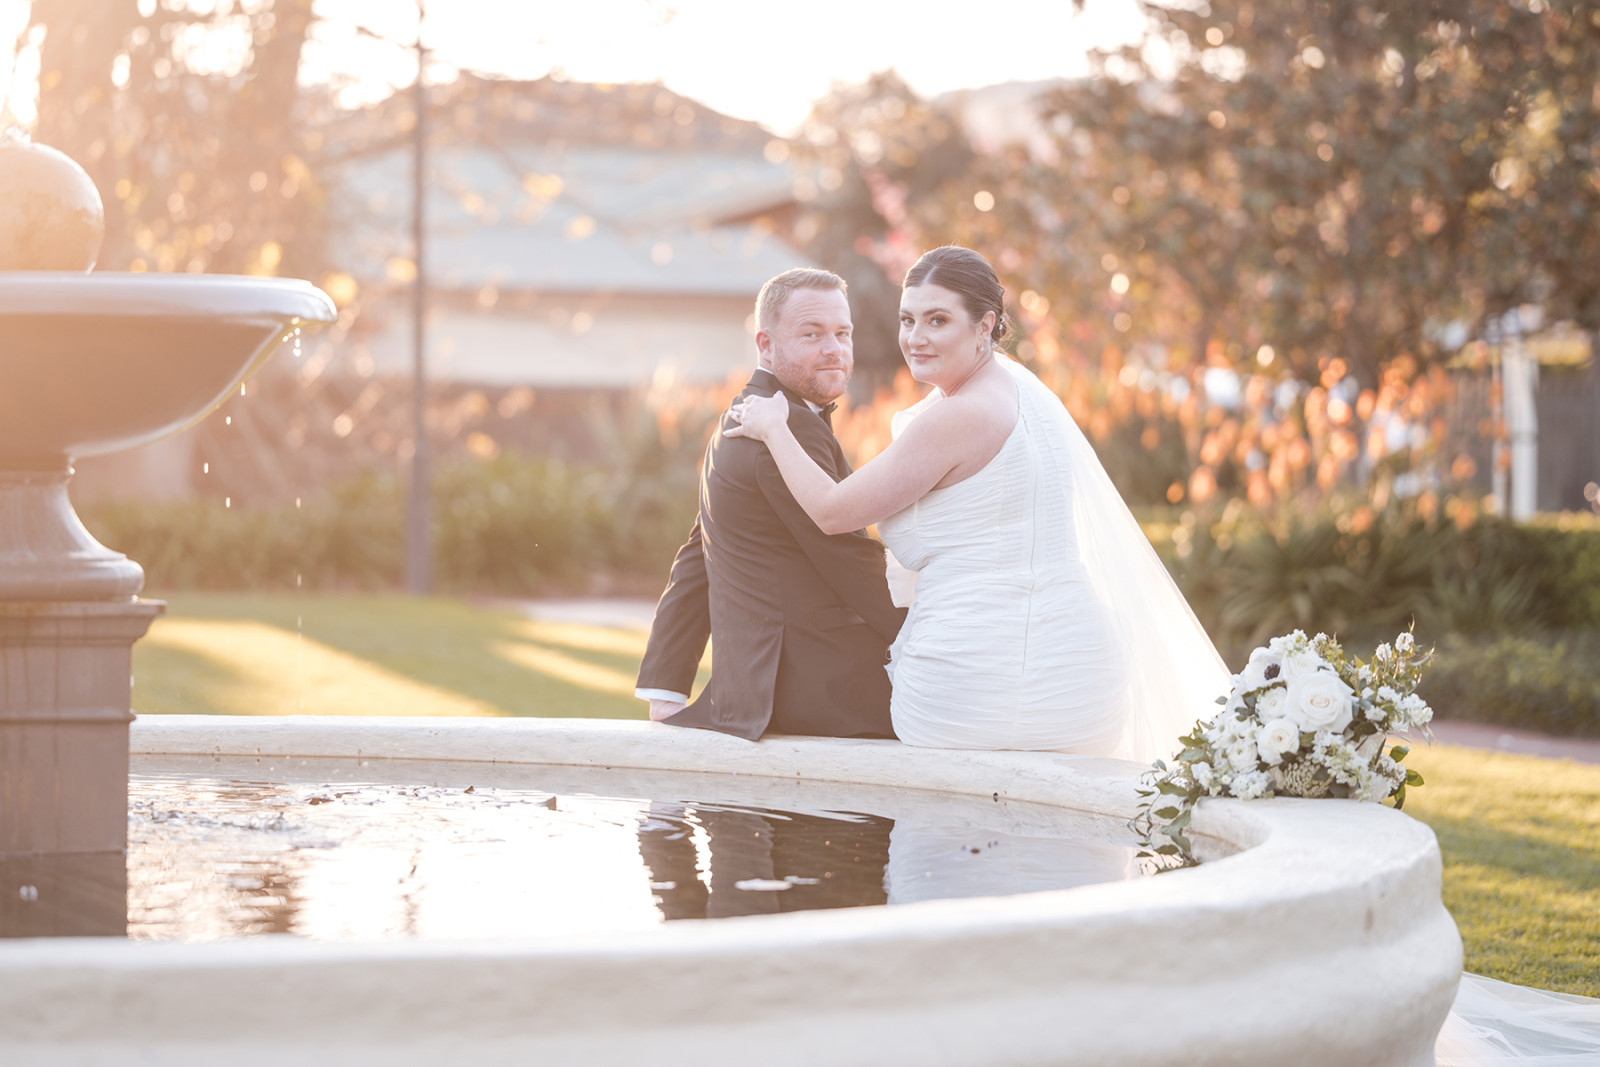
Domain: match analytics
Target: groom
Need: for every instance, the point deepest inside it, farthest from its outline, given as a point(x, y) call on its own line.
point(800, 621)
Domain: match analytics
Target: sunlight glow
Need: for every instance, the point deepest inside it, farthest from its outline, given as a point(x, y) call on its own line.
point(734, 56)
point(273, 671)
point(565, 668)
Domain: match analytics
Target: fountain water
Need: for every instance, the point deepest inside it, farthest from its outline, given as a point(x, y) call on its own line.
point(91, 364)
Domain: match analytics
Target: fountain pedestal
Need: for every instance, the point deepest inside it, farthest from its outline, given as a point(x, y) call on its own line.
point(68, 621)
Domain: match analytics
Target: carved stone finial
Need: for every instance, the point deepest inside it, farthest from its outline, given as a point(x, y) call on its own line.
point(51, 215)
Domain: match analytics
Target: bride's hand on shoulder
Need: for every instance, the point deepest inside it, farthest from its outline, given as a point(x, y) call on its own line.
point(758, 417)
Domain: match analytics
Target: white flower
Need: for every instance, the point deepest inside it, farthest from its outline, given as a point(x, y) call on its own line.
point(1252, 785)
point(1320, 701)
point(1273, 704)
point(1388, 695)
point(1242, 754)
point(1255, 675)
point(1414, 711)
point(1301, 664)
point(1383, 653)
point(1203, 775)
point(1277, 739)
point(1289, 642)
point(1405, 643)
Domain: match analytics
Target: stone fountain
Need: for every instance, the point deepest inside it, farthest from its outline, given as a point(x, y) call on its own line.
point(90, 363)
point(1320, 938)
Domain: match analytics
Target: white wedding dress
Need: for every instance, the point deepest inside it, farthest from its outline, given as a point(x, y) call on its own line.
point(1041, 618)
point(1006, 644)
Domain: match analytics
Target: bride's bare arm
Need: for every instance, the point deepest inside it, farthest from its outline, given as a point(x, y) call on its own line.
point(930, 448)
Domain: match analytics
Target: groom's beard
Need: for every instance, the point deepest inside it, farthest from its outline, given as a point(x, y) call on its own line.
point(820, 383)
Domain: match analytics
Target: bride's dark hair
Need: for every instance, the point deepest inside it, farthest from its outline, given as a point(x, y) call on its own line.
point(964, 272)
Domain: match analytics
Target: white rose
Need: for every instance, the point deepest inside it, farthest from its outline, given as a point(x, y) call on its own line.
point(1242, 754)
point(1273, 704)
point(1320, 701)
point(1277, 739)
point(1302, 664)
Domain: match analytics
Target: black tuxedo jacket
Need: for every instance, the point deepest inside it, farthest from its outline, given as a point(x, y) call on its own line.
point(800, 621)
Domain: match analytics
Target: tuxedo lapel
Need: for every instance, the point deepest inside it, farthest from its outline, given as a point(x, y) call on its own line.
point(764, 383)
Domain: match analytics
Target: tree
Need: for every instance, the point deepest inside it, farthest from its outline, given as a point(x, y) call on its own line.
point(1336, 180)
point(199, 152)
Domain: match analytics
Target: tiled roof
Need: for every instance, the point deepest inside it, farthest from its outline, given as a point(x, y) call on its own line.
point(573, 215)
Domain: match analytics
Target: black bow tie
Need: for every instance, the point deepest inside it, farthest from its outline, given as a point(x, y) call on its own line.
point(826, 411)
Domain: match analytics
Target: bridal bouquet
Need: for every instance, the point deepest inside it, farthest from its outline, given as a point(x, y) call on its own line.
point(1302, 719)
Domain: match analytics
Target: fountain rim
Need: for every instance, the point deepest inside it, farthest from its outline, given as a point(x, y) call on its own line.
point(1329, 927)
point(122, 294)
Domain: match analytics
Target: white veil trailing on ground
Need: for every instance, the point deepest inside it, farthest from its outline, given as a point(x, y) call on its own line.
point(1175, 674)
point(1497, 1024)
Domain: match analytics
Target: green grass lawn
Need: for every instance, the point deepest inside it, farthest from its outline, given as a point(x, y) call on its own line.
point(285, 654)
point(1521, 844)
point(1520, 836)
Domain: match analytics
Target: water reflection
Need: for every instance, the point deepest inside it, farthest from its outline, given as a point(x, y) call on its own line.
point(710, 862)
point(341, 851)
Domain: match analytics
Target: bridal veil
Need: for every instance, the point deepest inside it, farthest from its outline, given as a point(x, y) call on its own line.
point(1174, 672)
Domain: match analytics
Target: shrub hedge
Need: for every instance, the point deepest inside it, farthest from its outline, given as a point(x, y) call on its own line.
point(511, 526)
point(1514, 609)
point(1547, 682)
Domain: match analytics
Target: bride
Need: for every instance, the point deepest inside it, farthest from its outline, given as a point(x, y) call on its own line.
point(1042, 618)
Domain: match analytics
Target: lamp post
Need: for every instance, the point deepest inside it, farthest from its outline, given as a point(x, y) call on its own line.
point(418, 549)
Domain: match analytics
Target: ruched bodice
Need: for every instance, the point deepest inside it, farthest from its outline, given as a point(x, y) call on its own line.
point(1004, 646)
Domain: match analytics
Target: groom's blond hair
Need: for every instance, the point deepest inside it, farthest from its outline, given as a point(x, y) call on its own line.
point(776, 293)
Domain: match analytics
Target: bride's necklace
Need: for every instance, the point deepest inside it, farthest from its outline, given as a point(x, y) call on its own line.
point(988, 358)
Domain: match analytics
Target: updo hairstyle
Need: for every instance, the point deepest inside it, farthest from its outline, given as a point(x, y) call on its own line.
point(964, 272)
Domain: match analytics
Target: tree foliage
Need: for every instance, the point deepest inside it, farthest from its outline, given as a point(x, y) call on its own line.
point(191, 123)
point(1338, 179)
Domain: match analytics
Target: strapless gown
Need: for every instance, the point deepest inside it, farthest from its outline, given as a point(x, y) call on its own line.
point(1006, 644)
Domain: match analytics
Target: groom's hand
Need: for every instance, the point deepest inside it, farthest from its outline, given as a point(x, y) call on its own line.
point(662, 709)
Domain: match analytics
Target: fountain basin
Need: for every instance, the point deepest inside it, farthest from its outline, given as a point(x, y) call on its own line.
point(1322, 941)
point(97, 363)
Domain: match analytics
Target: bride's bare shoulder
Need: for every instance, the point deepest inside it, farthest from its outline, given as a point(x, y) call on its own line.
point(975, 422)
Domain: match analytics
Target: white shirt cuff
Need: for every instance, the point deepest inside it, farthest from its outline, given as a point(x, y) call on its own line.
point(661, 694)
